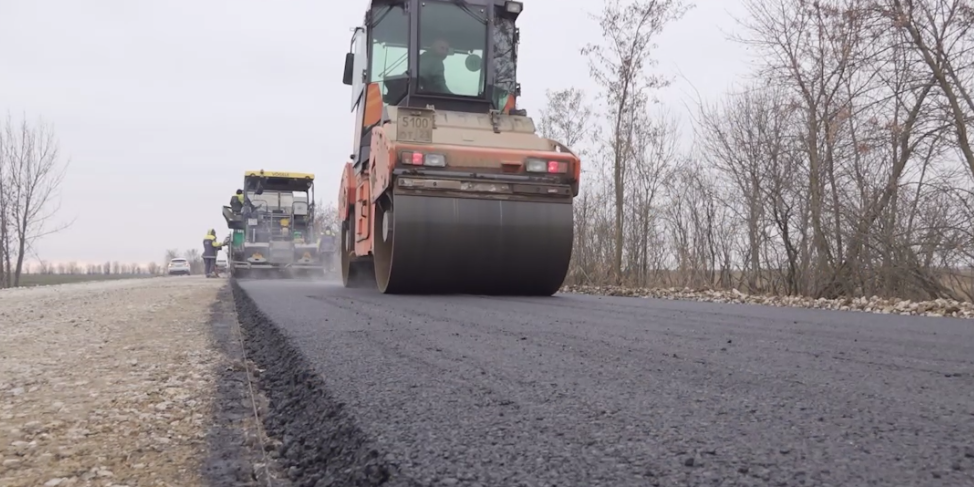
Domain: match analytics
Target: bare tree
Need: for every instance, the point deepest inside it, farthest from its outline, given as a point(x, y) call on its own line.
point(6, 219)
point(567, 118)
point(653, 156)
point(940, 32)
point(620, 64)
point(195, 260)
point(170, 255)
point(326, 216)
point(747, 140)
point(33, 171)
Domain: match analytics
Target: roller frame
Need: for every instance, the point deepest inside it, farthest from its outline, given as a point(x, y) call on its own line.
point(490, 224)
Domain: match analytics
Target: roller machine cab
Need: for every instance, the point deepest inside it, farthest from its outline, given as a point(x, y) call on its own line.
point(275, 231)
point(449, 188)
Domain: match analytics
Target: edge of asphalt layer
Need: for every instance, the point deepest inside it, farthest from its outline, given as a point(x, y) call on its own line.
point(320, 443)
point(233, 447)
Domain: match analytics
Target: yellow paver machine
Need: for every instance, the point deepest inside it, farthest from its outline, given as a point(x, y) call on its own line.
point(274, 233)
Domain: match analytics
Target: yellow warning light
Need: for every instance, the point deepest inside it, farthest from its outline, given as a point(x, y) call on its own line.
point(257, 255)
point(307, 255)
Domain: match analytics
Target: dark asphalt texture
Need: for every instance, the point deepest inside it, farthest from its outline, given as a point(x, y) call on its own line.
point(609, 391)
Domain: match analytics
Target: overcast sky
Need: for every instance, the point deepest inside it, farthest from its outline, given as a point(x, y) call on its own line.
point(161, 105)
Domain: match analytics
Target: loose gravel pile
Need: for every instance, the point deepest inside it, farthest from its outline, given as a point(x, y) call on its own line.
point(106, 383)
point(875, 304)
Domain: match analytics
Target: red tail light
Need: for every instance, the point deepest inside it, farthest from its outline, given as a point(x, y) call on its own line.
point(421, 159)
point(556, 167)
point(540, 165)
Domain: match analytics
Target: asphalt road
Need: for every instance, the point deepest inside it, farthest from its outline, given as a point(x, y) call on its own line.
point(604, 391)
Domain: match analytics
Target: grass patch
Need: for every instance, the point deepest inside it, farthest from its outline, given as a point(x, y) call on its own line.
point(31, 280)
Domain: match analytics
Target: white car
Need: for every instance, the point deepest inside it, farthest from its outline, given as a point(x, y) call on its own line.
point(221, 264)
point(179, 267)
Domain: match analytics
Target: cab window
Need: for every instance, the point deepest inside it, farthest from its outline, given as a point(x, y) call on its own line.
point(390, 36)
point(452, 41)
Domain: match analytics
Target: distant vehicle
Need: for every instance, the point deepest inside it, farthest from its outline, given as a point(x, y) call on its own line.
point(221, 264)
point(179, 267)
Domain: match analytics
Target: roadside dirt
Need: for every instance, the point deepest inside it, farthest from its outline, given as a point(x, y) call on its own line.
point(119, 383)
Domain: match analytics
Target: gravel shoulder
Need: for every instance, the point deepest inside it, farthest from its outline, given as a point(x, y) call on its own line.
point(936, 308)
point(117, 383)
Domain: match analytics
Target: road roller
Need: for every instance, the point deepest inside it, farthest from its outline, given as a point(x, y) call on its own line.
point(449, 188)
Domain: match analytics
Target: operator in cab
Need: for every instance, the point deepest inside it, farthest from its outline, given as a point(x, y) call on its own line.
point(237, 202)
point(210, 250)
point(431, 69)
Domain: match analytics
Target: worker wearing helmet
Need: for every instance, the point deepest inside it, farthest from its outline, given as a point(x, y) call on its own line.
point(210, 250)
point(326, 235)
point(326, 247)
point(237, 202)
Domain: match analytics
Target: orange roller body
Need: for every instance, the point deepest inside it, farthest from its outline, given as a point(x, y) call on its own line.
point(450, 188)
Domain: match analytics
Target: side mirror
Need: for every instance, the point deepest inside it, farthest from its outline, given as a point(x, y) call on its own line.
point(473, 62)
point(349, 66)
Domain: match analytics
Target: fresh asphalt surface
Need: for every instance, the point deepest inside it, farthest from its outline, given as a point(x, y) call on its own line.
point(585, 390)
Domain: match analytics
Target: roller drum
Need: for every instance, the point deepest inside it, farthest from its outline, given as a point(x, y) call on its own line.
point(443, 245)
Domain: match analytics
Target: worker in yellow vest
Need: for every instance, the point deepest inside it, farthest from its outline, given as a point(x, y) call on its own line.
point(210, 250)
point(237, 202)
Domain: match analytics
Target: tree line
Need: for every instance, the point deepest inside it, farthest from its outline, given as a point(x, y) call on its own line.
point(108, 268)
point(842, 167)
